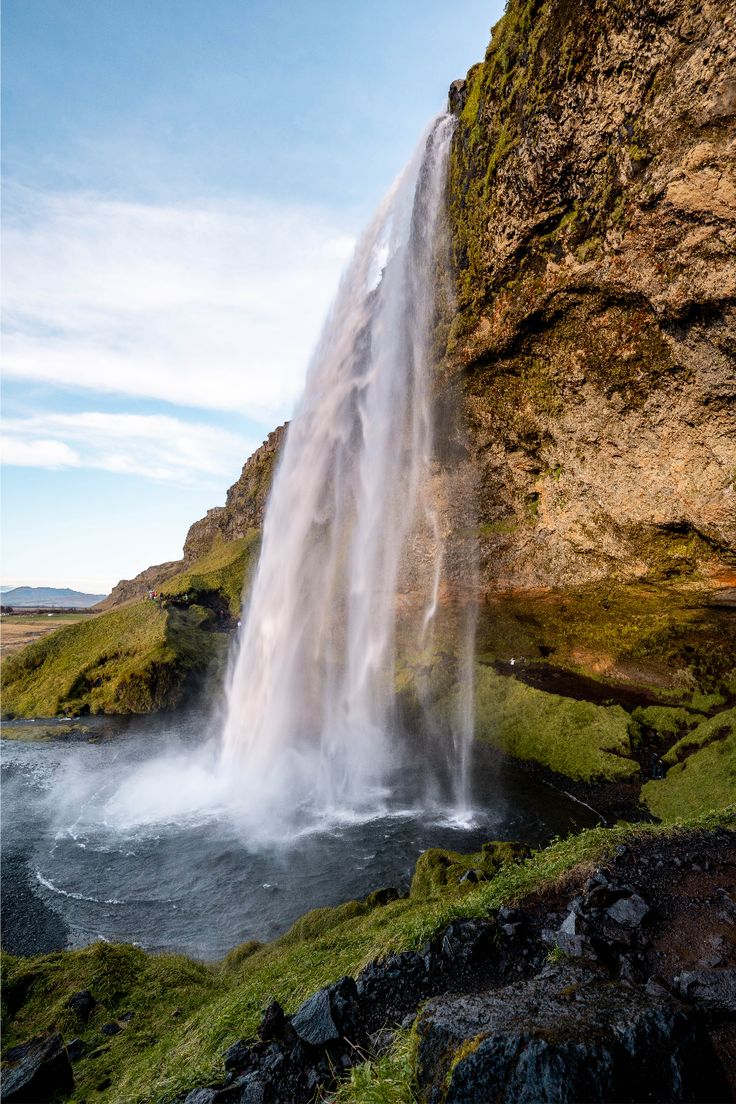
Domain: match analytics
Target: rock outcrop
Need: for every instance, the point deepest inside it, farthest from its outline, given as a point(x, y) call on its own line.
point(242, 513)
point(245, 505)
point(593, 206)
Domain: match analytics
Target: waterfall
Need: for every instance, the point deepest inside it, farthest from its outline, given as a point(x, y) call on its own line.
point(310, 703)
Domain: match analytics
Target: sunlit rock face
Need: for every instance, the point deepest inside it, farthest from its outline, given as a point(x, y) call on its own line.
point(245, 506)
point(593, 204)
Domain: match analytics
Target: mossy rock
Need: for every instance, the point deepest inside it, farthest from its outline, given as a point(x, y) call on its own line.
point(702, 771)
point(439, 871)
point(654, 725)
point(218, 577)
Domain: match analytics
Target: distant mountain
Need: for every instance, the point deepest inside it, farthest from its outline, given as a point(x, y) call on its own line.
point(51, 597)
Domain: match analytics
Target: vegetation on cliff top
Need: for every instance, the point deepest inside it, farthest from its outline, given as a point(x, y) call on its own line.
point(139, 658)
point(187, 1013)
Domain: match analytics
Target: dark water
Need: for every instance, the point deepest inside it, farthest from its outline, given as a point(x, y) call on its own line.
point(189, 875)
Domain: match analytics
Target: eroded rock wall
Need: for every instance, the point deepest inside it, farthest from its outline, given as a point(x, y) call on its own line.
point(593, 210)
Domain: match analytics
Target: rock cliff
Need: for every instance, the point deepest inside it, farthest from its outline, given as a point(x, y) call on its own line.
point(245, 504)
point(242, 513)
point(593, 208)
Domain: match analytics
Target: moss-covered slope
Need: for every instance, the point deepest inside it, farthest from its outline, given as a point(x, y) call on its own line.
point(701, 769)
point(185, 1014)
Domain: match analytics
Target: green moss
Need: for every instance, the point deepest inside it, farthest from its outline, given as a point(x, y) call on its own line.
point(186, 1013)
point(703, 774)
point(706, 702)
point(502, 526)
point(220, 573)
point(137, 659)
point(439, 872)
point(657, 724)
point(577, 738)
point(708, 731)
point(655, 636)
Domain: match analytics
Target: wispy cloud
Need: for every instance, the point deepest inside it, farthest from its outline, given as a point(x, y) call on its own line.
point(155, 446)
point(210, 305)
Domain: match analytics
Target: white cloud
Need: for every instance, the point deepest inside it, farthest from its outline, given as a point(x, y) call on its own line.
point(209, 305)
point(34, 452)
point(155, 446)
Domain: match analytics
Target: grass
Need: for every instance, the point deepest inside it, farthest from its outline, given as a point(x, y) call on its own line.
point(221, 571)
point(654, 725)
point(702, 771)
point(187, 1013)
point(45, 615)
point(385, 1080)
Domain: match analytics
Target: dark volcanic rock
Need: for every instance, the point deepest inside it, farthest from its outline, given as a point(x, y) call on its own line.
point(41, 1071)
point(714, 990)
point(629, 912)
point(83, 1003)
point(75, 1049)
point(201, 1096)
point(273, 1024)
point(392, 988)
point(313, 1021)
point(569, 1034)
point(331, 1014)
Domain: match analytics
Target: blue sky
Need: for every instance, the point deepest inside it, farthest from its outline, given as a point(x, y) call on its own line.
point(183, 182)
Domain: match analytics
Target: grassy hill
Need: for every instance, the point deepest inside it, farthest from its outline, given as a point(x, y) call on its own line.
point(142, 657)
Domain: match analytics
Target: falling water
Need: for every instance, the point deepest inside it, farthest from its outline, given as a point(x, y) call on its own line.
point(310, 698)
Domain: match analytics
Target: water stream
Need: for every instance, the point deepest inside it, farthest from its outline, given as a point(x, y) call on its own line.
point(98, 843)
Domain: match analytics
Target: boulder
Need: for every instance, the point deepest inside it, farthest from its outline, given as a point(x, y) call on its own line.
point(40, 1071)
point(629, 912)
point(714, 990)
point(313, 1020)
point(83, 1003)
point(331, 1014)
point(570, 1034)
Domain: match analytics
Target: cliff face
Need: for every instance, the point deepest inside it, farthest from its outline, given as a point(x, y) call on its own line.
point(593, 210)
point(245, 505)
point(591, 348)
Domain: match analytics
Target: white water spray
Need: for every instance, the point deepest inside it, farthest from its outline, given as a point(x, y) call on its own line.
point(311, 692)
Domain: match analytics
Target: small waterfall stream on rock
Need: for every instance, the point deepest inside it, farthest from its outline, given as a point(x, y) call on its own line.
point(311, 693)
